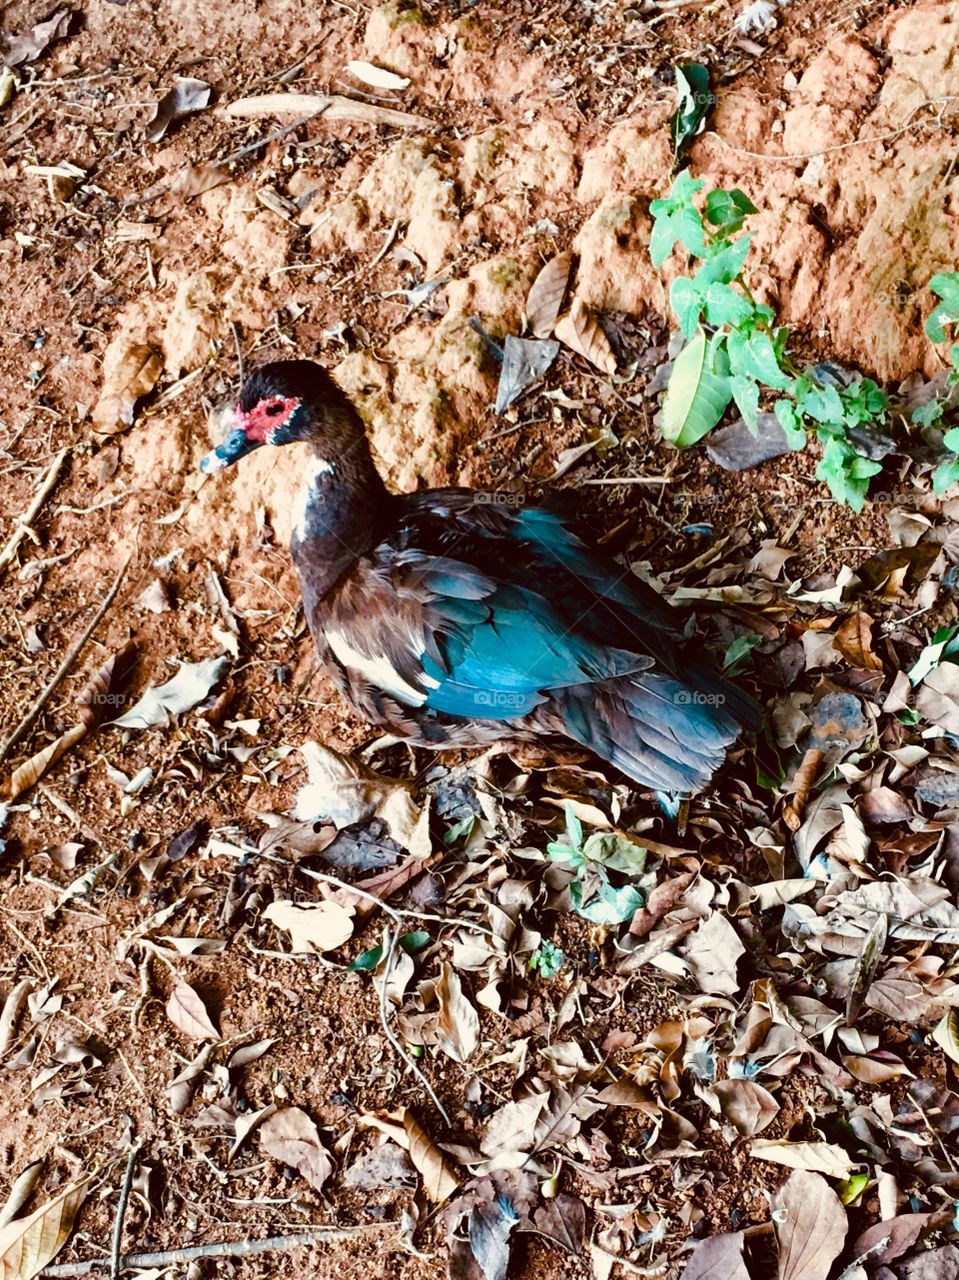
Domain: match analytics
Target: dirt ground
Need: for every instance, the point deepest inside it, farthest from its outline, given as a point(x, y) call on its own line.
point(543, 127)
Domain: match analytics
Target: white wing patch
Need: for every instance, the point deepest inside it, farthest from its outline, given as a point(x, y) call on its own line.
point(379, 671)
point(318, 467)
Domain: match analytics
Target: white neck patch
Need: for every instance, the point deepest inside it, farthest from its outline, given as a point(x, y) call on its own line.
point(318, 467)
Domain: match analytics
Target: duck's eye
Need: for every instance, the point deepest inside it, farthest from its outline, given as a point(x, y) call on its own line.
point(273, 409)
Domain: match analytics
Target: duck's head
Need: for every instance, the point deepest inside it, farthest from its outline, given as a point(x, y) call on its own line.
point(281, 402)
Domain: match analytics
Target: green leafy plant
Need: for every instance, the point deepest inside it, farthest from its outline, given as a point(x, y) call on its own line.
point(547, 960)
point(735, 350)
point(945, 285)
point(591, 893)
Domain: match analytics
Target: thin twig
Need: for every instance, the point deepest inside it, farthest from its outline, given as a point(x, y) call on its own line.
point(390, 940)
point(40, 497)
point(224, 1249)
point(28, 721)
point(239, 351)
point(396, 913)
point(115, 1257)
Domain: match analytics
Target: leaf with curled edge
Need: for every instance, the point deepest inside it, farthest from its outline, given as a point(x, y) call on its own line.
point(191, 685)
point(130, 372)
point(290, 1135)
point(105, 688)
point(32, 770)
point(186, 97)
point(29, 45)
point(28, 1244)
point(439, 1180)
point(581, 332)
point(546, 295)
point(312, 926)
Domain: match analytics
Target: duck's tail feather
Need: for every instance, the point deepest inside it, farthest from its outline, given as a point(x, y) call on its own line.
point(663, 733)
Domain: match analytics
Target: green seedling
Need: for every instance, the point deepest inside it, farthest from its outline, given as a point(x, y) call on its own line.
point(735, 352)
point(591, 859)
point(945, 285)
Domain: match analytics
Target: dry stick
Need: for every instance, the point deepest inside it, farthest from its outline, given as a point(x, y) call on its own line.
point(390, 940)
point(115, 1257)
point(28, 721)
point(225, 1249)
point(40, 497)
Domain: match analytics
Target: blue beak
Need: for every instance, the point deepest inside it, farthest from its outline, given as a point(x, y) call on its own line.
point(233, 448)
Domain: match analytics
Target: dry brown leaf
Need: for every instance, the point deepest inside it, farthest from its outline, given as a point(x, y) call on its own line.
point(186, 185)
point(712, 952)
point(718, 1258)
point(810, 1226)
point(439, 1180)
point(103, 692)
point(376, 77)
point(802, 786)
point(581, 332)
point(547, 292)
point(746, 1105)
point(129, 372)
point(28, 1244)
point(946, 1033)
point(312, 926)
point(344, 791)
point(187, 1011)
point(458, 1028)
point(814, 1157)
point(29, 45)
point(854, 642)
point(32, 770)
point(332, 107)
point(291, 1136)
point(186, 96)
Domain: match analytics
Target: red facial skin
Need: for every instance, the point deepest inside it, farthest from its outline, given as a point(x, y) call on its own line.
point(259, 423)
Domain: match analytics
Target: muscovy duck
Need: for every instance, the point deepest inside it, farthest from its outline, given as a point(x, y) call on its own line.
point(456, 620)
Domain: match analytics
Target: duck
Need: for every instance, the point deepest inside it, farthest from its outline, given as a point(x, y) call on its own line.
point(456, 618)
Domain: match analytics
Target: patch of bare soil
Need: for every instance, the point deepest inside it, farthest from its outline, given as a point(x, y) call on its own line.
point(638, 1101)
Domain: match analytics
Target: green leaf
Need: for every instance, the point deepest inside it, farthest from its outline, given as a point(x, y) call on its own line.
point(367, 961)
point(945, 284)
point(547, 960)
point(927, 415)
point(615, 851)
point(725, 306)
point(727, 209)
point(746, 394)
point(574, 828)
point(945, 475)
point(609, 905)
point(685, 225)
point(676, 218)
point(951, 439)
point(696, 397)
point(822, 404)
point(754, 356)
point(693, 100)
point(791, 422)
point(852, 1187)
point(736, 657)
point(846, 472)
point(687, 304)
point(724, 263)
